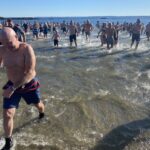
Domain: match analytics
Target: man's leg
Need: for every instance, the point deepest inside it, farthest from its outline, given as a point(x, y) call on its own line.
point(86, 36)
point(71, 40)
point(75, 40)
point(75, 43)
point(132, 43)
point(137, 43)
point(40, 106)
point(112, 43)
point(133, 40)
point(108, 45)
point(70, 44)
point(8, 115)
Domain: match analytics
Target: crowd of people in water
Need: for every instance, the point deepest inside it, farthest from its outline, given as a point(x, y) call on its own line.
point(108, 33)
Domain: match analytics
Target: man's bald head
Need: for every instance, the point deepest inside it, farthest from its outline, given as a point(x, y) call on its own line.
point(8, 38)
point(6, 33)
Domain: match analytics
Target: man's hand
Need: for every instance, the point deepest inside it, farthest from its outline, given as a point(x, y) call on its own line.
point(8, 92)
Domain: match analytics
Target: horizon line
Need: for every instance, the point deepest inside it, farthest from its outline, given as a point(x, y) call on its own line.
point(74, 16)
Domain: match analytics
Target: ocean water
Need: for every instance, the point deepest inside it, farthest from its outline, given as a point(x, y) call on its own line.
point(101, 19)
point(115, 19)
point(96, 99)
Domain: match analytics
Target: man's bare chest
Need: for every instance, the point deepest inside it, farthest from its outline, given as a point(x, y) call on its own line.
point(13, 59)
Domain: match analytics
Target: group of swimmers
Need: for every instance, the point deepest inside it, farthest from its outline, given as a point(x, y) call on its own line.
point(107, 32)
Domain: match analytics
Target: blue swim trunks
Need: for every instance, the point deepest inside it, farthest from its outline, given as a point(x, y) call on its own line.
point(30, 92)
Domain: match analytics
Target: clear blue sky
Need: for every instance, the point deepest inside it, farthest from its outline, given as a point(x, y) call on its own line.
point(48, 8)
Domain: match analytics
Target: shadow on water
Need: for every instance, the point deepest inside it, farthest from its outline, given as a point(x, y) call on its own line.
point(135, 54)
point(72, 50)
point(82, 50)
point(45, 49)
point(25, 125)
point(121, 136)
point(126, 54)
point(145, 67)
point(98, 55)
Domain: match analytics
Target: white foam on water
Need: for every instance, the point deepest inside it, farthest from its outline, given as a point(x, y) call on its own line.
point(47, 58)
point(102, 92)
point(91, 69)
point(148, 74)
point(52, 56)
point(61, 113)
point(27, 139)
point(146, 86)
point(2, 143)
point(42, 56)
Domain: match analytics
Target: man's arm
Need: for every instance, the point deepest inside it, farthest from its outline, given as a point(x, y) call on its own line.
point(30, 62)
point(53, 37)
point(1, 62)
point(1, 53)
point(22, 33)
point(92, 27)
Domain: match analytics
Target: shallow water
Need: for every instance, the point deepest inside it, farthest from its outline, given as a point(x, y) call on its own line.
point(95, 98)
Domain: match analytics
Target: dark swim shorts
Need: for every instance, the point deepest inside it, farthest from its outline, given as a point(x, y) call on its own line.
point(30, 92)
point(135, 37)
point(55, 42)
point(72, 38)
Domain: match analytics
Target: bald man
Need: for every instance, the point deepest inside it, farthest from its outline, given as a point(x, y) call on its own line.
point(19, 60)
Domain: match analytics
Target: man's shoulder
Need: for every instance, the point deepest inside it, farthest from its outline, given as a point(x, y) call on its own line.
point(25, 46)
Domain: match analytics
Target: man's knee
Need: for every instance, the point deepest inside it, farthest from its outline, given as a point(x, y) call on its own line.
point(9, 113)
point(39, 104)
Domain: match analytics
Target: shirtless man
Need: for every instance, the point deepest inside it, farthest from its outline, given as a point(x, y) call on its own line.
point(56, 38)
point(110, 31)
point(102, 34)
point(136, 30)
point(35, 30)
point(116, 33)
point(88, 28)
point(73, 33)
point(19, 60)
